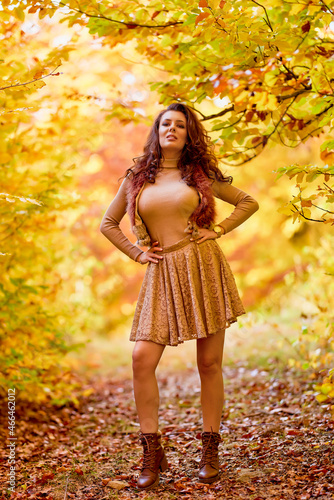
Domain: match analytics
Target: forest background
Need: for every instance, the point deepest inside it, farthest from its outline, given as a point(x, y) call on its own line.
point(80, 83)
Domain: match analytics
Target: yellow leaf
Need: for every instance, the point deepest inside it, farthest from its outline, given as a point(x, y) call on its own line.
point(326, 388)
point(38, 84)
point(214, 4)
point(272, 103)
point(307, 213)
point(242, 96)
point(5, 158)
point(295, 9)
point(286, 210)
point(19, 13)
point(299, 177)
point(312, 9)
point(321, 398)
point(87, 392)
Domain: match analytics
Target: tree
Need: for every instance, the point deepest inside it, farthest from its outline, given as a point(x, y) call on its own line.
point(41, 135)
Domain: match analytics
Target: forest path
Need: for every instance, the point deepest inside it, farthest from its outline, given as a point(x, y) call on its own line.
point(277, 441)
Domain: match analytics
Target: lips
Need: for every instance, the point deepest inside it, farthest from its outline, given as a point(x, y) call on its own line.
point(170, 136)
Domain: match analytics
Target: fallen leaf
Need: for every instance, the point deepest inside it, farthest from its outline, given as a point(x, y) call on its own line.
point(117, 485)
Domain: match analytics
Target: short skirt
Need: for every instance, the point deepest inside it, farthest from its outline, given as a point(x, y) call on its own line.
point(189, 294)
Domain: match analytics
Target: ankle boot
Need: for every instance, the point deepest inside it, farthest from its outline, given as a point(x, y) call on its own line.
point(154, 460)
point(209, 465)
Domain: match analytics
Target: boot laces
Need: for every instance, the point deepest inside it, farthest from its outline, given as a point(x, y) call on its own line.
point(210, 448)
point(150, 450)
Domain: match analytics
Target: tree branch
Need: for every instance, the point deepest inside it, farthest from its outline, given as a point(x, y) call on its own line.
point(319, 114)
point(294, 94)
point(32, 81)
point(328, 187)
point(328, 8)
point(127, 24)
point(324, 209)
point(266, 13)
point(304, 216)
point(221, 113)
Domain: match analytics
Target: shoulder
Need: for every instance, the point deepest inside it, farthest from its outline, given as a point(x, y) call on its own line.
point(221, 185)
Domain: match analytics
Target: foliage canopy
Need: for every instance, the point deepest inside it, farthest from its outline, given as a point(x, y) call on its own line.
point(269, 67)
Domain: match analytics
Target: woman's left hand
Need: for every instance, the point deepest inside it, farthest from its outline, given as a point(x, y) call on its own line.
point(203, 235)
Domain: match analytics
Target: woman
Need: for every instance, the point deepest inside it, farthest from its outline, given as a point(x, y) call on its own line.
point(188, 290)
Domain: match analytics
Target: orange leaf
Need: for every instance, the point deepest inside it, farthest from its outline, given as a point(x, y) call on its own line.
point(203, 3)
point(294, 432)
point(306, 203)
point(221, 4)
point(201, 16)
point(327, 156)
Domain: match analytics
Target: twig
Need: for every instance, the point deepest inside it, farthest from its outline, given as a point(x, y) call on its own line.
point(328, 187)
point(68, 477)
point(324, 209)
point(32, 81)
point(268, 21)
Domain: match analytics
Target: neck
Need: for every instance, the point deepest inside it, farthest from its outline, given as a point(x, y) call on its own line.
point(169, 162)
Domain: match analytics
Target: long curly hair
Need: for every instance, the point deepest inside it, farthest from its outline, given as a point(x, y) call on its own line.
point(197, 163)
point(197, 154)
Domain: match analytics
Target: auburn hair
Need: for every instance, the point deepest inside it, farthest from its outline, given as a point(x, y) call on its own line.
point(196, 155)
point(197, 163)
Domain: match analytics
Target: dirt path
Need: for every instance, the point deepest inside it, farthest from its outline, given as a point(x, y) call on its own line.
point(277, 442)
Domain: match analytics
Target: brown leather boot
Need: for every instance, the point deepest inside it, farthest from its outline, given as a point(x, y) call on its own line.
point(209, 465)
point(153, 461)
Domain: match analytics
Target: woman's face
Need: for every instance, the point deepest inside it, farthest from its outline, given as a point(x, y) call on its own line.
point(172, 133)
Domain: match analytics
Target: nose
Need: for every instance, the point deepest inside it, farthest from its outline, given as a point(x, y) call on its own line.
point(172, 128)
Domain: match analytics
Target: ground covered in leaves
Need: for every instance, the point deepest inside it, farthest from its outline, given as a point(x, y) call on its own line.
point(277, 442)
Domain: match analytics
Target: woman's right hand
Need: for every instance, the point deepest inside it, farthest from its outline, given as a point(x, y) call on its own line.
point(150, 255)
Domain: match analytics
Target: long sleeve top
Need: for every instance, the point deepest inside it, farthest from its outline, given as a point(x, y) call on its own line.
point(165, 207)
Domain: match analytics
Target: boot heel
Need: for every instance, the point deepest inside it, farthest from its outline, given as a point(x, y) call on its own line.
point(163, 464)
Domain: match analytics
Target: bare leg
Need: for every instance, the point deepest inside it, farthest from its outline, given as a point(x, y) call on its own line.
point(145, 358)
point(209, 362)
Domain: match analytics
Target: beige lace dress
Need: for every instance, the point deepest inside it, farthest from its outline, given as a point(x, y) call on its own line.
point(190, 293)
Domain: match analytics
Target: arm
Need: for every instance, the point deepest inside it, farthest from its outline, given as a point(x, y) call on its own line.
point(245, 205)
point(111, 220)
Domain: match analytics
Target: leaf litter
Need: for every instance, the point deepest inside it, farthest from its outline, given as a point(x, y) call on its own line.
point(277, 441)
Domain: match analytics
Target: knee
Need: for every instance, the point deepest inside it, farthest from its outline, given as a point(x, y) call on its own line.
point(209, 366)
point(141, 365)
